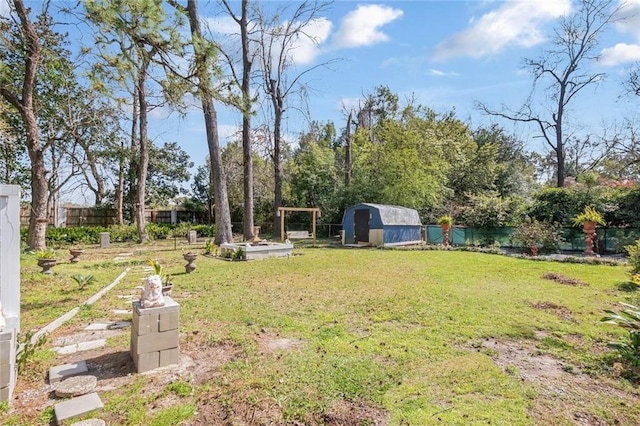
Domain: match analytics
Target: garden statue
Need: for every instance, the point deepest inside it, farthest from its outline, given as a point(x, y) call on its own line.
point(151, 293)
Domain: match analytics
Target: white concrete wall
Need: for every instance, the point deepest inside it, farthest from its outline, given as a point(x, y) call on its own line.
point(9, 283)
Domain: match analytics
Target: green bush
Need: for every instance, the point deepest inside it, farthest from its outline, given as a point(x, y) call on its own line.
point(205, 230)
point(157, 231)
point(543, 235)
point(629, 319)
point(123, 233)
point(74, 235)
point(634, 257)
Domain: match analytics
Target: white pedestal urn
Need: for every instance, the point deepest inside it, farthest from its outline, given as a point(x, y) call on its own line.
point(190, 258)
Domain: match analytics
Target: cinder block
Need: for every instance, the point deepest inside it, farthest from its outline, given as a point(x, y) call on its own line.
point(169, 305)
point(77, 407)
point(155, 341)
point(5, 351)
point(61, 372)
point(145, 324)
point(169, 321)
point(5, 375)
point(4, 394)
point(147, 361)
point(169, 356)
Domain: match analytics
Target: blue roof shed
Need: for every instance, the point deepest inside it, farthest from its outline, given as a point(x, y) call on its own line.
point(381, 225)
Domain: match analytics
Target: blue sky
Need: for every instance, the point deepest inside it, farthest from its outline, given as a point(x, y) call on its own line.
point(446, 54)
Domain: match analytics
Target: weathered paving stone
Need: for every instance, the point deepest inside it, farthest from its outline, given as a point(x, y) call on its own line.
point(82, 346)
point(119, 325)
point(76, 386)
point(76, 407)
point(64, 371)
point(90, 422)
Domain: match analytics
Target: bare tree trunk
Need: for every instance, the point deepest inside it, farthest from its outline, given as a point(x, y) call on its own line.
point(347, 151)
point(223, 215)
point(133, 162)
point(144, 155)
point(277, 155)
point(247, 155)
point(39, 214)
point(120, 188)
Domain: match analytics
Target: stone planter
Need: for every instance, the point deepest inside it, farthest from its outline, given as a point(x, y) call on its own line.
point(190, 258)
point(589, 229)
point(166, 289)
point(75, 255)
point(445, 234)
point(46, 265)
point(589, 226)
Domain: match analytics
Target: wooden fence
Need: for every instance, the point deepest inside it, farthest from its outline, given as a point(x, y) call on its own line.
point(92, 216)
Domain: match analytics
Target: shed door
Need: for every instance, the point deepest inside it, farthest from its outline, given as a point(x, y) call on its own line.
point(361, 224)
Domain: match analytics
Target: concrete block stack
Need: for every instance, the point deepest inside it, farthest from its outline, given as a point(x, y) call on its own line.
point(155, 335)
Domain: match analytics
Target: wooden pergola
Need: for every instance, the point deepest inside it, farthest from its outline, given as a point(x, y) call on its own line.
point(315, 213)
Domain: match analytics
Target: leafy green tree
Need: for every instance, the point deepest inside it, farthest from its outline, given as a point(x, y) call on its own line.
point(14, 162)
point(486, 210)
point(133, 37)
point(203, 61)
point(514, 173)
point(202, 189)
point(279, 37)
point(314, 177)
point(25, 60)
point(168, 168)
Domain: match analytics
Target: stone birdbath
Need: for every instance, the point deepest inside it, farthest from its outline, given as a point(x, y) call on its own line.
point(75, 254)
point(190, 258)
point(46, 265)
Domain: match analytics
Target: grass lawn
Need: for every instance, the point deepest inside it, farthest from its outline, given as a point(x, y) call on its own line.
point(356, 336)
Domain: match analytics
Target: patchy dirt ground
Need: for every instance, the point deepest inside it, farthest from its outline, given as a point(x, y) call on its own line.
point(200, 363)
point(561, 389)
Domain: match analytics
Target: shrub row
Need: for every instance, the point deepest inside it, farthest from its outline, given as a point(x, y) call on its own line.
point(83, 235)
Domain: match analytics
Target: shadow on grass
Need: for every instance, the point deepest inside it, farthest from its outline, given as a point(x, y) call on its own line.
point(41, 305)
point(111, 365)
point(628, 286)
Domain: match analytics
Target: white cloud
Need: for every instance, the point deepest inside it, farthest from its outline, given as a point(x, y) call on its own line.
point(362, 26)
point(620, 53)
point(346, 104)
point(4, 7)
point(440, 73)
point(629, 17)
point(221, 25)
point(307, 47)
point(514, 23)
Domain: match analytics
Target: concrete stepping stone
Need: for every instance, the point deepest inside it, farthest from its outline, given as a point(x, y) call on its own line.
point(90, 422)
point(84, 336)
point(76, 386)
point(61, 372)
point(77, 407)
point(82, 346)
point(99, 326)
point(127, 296)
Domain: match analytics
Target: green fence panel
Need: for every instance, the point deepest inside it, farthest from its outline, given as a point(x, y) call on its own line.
point(610, 240)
